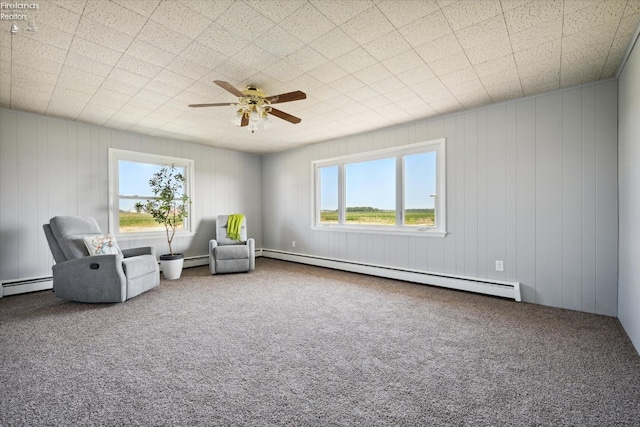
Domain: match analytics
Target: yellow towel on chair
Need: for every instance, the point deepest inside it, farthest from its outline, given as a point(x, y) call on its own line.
point(234, 222)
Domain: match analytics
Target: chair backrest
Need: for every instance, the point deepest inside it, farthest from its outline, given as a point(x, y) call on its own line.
point(221, 231)
point(65, 236)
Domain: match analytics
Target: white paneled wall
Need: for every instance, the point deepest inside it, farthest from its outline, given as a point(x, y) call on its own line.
point(52, 167)
point(629, 189)
point(531, 182)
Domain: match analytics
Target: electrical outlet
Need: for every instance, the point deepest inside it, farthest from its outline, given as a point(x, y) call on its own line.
point(293, 243)
point(499, 265)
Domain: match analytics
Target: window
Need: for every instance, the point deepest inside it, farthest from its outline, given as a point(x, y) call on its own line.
point(399, 190)
point(129, 175)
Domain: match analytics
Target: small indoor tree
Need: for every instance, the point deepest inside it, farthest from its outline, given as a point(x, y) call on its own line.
point(170, 205)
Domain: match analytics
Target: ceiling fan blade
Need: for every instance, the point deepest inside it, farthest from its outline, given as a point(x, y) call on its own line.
point(244, 121)
point(287, 97)
point(229, 88)
point(285, 116)
point(219, 104)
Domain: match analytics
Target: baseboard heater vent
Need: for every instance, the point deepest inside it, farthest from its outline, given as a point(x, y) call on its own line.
point(21, 286)
point(196, 261)
point(471, 284)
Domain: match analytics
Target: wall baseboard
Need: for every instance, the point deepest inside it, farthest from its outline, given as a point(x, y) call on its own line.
point(21, 286)
point(497, 288)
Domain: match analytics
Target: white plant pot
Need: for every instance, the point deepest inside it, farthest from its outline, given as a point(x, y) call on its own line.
point(172, 266)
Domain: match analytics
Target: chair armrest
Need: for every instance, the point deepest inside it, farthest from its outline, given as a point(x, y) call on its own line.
point(98, 279)
point(213, 243)
point(252, 253)
point(144, 250)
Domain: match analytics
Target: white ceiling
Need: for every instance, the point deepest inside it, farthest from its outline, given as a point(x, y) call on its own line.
point(364, 64)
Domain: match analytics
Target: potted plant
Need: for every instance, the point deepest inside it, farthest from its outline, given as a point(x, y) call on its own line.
point(169, 208)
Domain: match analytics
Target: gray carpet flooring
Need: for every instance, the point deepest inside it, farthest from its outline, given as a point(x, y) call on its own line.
point(290, 344)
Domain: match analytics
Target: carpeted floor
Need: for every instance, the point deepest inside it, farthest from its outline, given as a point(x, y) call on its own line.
point(290, 344)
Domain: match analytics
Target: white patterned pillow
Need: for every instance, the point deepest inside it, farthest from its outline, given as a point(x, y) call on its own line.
point(102, 245)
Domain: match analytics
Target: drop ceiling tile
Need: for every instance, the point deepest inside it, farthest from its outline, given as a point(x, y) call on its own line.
point(372, 74)
point(95, 32)
point(346, 84)
point(633, 8)
point(537, 35)
point(23, 45)
point(339, 11)
point(439, 49)
point(306, 59)
point(498, 65)
point(187, 68)
point(137, 66)
point(70, 97)
point(483, 33)
point(127, 77)
point(203, 56)
point(533, 14)
point(163, 38)
point(416, 35)
point(150, 54)
point(58, 17)
point(507, 78)
point(362, 93)
point(141, 7)
point(324, 93)
point(334, 44)
point(403, 12)
point(298, 24)
point(355, 60)
point(109, 99)
point(387, 46)
point(401, 95)
point(222, 40)
point(114, 16)
point(406, 61)
point(449, 64)
point(75, 6)
point(276, 10)
point(163, 88)
point(95, 51)
point(512, 4)
point(63, 111)
point(534, 82)
point(593, 15)
point(496, 49)
point(459, 77)
point(462, 90)
point(549, 50)
point(628, 24)
point(462, 14)
point(283, 71)
point(279, 42)
point(180, 19)
point(367, 26)
point(207, 8)
point(25, 76)
point(48, 35)
point(40, 64)
point(85, 64)
point(387, 85)
point(328, 72)
point(80, 76)
point(505, 93)
point(416, 75)
point(447, 106)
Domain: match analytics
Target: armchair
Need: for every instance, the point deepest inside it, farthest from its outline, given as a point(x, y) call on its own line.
point(231, 256)
point(78, 276)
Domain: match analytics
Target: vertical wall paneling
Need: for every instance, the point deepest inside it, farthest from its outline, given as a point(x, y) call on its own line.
point(524, 182)
point(496, 190)
point(471, 194)
point(9, 228)
point(572, 199)
point(588, 208)
point(526, 198)
point(57, 167)
point(607, 199)
point(629, 196)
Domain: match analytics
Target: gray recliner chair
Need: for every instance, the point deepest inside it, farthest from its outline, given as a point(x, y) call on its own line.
point(77, 276)
point(231, 256)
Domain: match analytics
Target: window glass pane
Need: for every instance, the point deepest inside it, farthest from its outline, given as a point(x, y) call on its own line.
point(419, 185)
point(371, 192)
point(329, 194)
point(133, 181)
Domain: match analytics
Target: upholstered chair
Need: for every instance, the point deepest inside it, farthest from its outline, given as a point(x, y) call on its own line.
point(115, 276)
point(227, 255)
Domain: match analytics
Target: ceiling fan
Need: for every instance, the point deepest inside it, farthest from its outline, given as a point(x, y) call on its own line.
point(255, 106)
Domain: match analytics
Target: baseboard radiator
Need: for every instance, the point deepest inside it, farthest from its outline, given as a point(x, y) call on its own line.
point(462, 283)
point(21, 286)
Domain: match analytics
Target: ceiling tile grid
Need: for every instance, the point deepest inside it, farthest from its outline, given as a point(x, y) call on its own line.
point(366, 64)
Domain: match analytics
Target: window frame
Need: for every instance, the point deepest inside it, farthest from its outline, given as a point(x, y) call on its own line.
point(116, 155)
point(439, 230)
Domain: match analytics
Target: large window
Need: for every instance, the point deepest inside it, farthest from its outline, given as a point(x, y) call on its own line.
point(395, 190)
point(129, 175)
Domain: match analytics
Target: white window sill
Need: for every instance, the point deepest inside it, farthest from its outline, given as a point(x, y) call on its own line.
point(151, 235)
point(396, 231)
